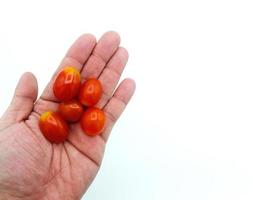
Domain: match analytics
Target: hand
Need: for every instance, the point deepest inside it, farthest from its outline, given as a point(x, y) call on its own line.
point(33, 168)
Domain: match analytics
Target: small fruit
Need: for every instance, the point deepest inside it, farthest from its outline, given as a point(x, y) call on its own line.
point(71, 111)
point(53, 127)
point(93, 121)
point(90, 92)
point(67, 84)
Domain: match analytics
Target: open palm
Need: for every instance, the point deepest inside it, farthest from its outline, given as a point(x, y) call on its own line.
point(33, 168)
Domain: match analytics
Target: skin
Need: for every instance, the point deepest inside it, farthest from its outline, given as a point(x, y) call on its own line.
point(32, 167)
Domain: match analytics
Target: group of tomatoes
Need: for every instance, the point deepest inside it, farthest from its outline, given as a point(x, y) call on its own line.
point(78, 102)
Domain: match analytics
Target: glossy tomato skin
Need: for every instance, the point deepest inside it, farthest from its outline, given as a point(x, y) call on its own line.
point(90, 92)
point(67, 84)
point(93, 121)
point(53, 127)
point(71, 111)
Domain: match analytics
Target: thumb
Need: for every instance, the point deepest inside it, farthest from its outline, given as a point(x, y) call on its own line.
point(23, 100)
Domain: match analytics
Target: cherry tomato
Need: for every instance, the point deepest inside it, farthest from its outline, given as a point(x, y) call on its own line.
point(90, 92)
point(53, 127)
point(93, 121)
point(67, 84)
point(71, 111)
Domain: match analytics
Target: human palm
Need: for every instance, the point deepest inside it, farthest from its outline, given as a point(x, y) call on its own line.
point(33, 168)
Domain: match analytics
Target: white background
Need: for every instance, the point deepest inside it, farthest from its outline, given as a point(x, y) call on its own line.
point(188, 132)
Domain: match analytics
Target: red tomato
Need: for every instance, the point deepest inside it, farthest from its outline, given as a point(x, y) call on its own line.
point(71, 111)
point(67, 84)
point(93, 121)
point(90, 92)
point(53, 127)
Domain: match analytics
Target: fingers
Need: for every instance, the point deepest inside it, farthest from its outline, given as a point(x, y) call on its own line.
point(76, 56)
point(114, 108)
point(111, 75)
point(104, 50)
point(23, 100)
